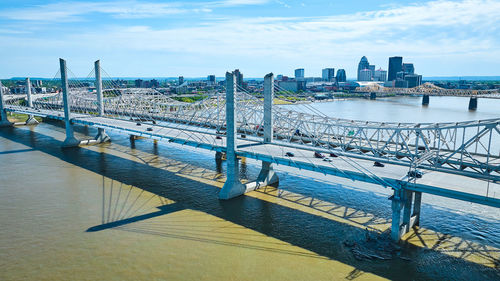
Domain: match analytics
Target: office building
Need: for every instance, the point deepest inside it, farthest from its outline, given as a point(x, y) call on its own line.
point(363, 64)
point(341, 76)
point(239, 78)
point(408, 68)
point(328, 74)
point(365, 75)
point(380, 75)
point(395, 66)
point(181, 80)
point(211, 79)
point(413, 80)
point(371, 67)
point(299, 74)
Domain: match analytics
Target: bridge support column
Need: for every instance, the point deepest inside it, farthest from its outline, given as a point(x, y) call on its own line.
point(101, 133)
point(31, 119)
point(373, 95)
point(425, 100)
point(4, 122)
point(473, 103)
point(70, 137)
point(233, 186)
point(267, 175)
point(402, 200)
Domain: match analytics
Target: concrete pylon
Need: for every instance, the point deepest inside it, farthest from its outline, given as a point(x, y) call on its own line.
point(402, 202)
point(4, 122)
point(101, 133)
point(70, 140)
point(425, 100)
point(473, 103)
point(31, 119)
point(267, 175)
point(233, 186)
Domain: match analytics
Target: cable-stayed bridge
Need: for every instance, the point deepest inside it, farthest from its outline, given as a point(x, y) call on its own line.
point(459, 160)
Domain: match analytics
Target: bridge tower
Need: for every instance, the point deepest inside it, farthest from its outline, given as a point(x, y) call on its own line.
point(4, 122)
point(233, 186)
point(31, 119)
point(267, 175)
point(70, 136)
point(101, 134)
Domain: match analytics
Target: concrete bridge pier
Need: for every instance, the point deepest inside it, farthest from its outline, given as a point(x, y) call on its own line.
point(233, 187)
point(70, 140)
point(373, 96)
point(425, 100)
point(473, 103)
point(402, 202)
point(267, 175)
point(4, 122)
point(101, 133)
point(31, 119)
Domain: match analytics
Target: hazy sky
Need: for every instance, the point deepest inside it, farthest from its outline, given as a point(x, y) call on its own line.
point(197, 38)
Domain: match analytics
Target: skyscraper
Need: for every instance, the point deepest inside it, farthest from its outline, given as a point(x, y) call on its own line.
point(328, 74)
point(341, 76)
point(395, 66)
point(380, 75)
point(408, 68)
point(211, 79)
point(365, 75)
point(239, 78)
point(299, 74)
point(372, 69)
point(363, 64)
point(181, 80)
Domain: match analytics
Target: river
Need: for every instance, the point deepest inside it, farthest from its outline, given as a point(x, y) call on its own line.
point(149, 211)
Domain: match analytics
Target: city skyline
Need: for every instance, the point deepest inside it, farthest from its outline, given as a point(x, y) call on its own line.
point(195, 39)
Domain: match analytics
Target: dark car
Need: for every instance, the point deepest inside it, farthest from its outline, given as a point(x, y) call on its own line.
point(289, 154)
point(415, 174)
point(378, 164)
point(149, 129)
point(138, 124)
point(318, 155)
point(333, 155)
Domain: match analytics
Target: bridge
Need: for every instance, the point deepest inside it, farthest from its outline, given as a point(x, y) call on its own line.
point(459, 160)
point(428, 89)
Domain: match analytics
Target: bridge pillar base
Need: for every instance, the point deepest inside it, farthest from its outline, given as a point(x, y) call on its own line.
point(31, 120)
point(71, 142)
point(218, 156)
point(4, 122)
point(102, 136)
point(473, 103)
point(233, 187)
point(402, 200)
point(267, 176)
point(373, 96)
point(425, 100)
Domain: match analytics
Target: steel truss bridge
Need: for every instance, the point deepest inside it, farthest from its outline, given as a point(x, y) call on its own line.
point(459, 160)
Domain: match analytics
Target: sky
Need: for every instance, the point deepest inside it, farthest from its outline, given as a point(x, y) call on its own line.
point(197, 38)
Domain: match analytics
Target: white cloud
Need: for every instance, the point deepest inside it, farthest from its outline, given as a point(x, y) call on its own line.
point(433, 31)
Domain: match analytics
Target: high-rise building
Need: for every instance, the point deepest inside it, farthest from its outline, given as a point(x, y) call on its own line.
point(363, 64)
point(279, 77)
point(408, 68)
point(372, 69)
point(365, 75)
point(395, 66)
point(239, 78)
point(181, 80)
point(211, 79)
point(380, 75)
point(328, 74)
point(341, 76)
point(299, 74)
point(413, 80)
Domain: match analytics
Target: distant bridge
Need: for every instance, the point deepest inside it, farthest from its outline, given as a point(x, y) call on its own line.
point(459, 160)
point(428, 89)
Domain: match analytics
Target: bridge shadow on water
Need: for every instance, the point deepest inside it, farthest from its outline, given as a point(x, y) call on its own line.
point(319, 223)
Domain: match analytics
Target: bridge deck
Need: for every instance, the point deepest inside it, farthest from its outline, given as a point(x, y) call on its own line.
point(437, 183)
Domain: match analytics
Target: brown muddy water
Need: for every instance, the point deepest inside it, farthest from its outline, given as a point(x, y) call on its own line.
point(146, 211)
